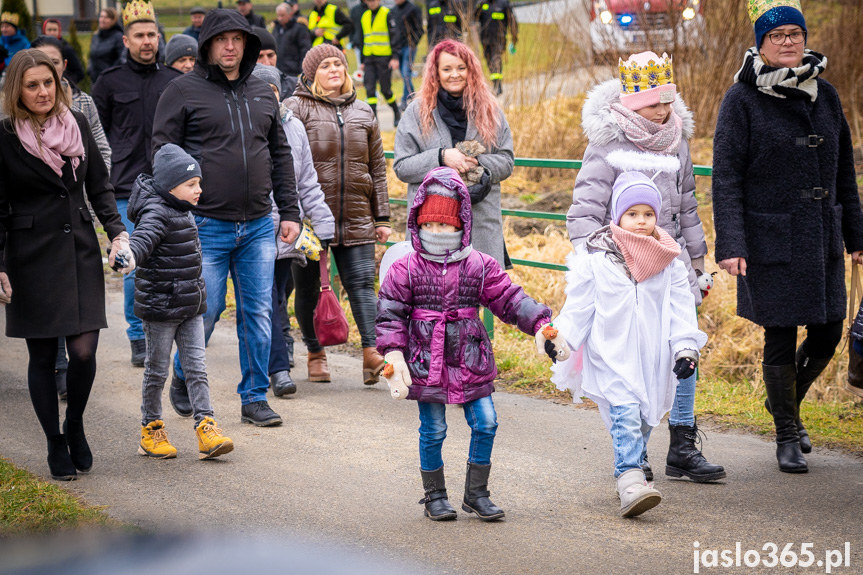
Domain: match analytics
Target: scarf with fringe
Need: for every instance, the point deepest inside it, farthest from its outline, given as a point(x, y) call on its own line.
point(650, 136)
point(792, 83)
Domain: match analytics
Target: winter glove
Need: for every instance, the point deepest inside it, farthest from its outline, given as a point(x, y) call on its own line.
point(685, 367)
point(5, 289)
point(479, 191)
point(397, 375)
point(120, 242)
point(857, 345)
point(128, 259)
point(549, 341)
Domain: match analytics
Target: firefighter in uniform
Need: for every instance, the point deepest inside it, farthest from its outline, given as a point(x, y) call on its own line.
point(435, 25)
point(381, 45)
point(329, 24)
point(454, 12)
point(495, 17)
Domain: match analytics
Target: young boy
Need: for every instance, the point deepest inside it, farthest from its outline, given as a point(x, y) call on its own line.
point(628, 302)
point(170, 297)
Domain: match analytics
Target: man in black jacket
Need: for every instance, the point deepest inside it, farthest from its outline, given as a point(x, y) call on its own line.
point(244, 7)
point(228, 120)
point(125, 96)
point(495, 18)
point(410, 21)
point(292, 39)
point(268, 56)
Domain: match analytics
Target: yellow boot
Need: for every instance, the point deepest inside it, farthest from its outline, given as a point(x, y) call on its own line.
point(211, 442)
point(154, 441)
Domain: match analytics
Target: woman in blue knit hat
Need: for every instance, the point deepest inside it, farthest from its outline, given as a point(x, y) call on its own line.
point(786, 209)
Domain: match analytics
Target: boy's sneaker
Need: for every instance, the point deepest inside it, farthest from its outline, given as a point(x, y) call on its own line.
point(211, 442)
point(261, 414)
point(154, 441)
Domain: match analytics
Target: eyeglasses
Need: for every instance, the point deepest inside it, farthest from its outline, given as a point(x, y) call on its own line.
point(778, 38)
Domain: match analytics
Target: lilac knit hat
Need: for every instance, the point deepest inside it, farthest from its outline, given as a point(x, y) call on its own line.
point(631, 189)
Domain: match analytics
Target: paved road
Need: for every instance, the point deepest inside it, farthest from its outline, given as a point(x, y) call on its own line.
point(344, 468)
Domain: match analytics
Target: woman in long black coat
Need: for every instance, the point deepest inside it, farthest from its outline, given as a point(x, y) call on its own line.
point(106, 46)
point(786, 208)
point(51, 266)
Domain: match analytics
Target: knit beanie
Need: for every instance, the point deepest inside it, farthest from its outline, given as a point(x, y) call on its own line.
point(318, 54)
point(766, 15)
point(179, 46)
point(268, 42)
point(646, 80)
point(631, 189)
point(171, 167)
point(269, 74)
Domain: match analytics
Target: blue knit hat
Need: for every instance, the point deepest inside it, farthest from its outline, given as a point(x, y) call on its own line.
point(769, 14)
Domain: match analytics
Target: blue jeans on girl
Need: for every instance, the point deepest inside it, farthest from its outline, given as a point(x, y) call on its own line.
point(629, 433)
point(480, 416)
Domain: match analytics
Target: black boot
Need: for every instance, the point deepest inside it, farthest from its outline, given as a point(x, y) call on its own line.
point(139, 352)
point(397, 115)
point(60, 380)
point(648, 471)
point(179, 396)
point(685, 460)
point(781, 384)
point(374, 108)
point(79, 450)
point(808, 370)
point(59, 461)
point(437, 507)
point(282, 383)
point(476, 493)
point(290, 346)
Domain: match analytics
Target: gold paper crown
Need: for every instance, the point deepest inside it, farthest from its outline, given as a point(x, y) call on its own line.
point(10, 18)
point(757, 8)
point(138, 11)
point(638, 78)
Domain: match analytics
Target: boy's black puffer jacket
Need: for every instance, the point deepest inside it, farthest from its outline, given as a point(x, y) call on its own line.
point(168, 282)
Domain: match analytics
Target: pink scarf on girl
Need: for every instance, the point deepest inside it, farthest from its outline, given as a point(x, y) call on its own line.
point(645, 256)
point(649, 136)
point(59, 136)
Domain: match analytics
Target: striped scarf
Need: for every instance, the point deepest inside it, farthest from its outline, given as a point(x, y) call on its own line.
point(794, 83)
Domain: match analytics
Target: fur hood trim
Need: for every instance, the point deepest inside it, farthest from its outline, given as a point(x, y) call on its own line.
point(632, 161)
point(599, 125)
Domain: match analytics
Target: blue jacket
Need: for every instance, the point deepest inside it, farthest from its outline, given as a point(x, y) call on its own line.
point(14, 44)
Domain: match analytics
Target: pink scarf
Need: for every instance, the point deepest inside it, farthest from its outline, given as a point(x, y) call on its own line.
point(649, 136)
point(645, 256)
point(59, 135)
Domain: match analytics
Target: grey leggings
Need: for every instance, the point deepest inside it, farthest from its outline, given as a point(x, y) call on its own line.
point(356, 265)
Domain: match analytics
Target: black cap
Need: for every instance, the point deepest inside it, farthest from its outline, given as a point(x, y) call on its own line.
point(268, 42)
point(197, 10)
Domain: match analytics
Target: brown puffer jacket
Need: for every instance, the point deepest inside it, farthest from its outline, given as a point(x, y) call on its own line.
point(349, 158)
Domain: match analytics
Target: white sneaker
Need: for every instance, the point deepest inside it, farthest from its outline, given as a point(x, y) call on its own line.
point(636, 494)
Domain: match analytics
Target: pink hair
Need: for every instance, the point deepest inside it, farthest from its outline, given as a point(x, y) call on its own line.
point(479, 103)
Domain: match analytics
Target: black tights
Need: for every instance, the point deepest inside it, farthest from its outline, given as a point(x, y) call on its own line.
point(79, 378)
point(780, 343)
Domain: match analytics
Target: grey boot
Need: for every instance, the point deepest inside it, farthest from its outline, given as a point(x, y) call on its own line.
point(781, 384)
point(476, 493)
point(636, 494)
point(437, 506)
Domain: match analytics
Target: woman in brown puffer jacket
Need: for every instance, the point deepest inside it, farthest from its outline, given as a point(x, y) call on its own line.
point(349, 158)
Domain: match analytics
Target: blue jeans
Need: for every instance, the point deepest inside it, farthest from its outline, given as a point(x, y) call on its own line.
point(480, 416)
point(248, 251)
point(136, 328)
point(683, 408)
point(406, 69)
point(629, 433)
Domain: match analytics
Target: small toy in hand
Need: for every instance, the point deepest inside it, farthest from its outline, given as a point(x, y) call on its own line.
point(120, 260)
point(472, 149)
point(705, 282)
point(389, 370)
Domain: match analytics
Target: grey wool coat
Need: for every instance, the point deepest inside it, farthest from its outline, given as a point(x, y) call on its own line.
point(416, 154)
point(787, 203)
point(609, 153)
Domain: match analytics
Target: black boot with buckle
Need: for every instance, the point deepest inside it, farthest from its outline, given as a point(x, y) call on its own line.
point(437, 506)
point(686, 460)
point(781, 384)
point(476, 493)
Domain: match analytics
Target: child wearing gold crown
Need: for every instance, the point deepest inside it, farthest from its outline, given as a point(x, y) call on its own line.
point(12, 38)
point(639, 123)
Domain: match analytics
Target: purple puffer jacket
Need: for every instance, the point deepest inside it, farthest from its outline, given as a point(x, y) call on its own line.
point(430, 311)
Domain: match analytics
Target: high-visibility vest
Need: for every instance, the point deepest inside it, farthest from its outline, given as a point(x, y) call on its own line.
point(327, 22)
point(376, 34)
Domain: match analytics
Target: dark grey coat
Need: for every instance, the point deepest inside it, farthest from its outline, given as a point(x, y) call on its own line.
point(793, 244)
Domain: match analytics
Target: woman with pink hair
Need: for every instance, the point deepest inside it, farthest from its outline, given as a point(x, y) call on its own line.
point(455, 121)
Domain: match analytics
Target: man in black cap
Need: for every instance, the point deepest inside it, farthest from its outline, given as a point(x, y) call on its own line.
point(292, 38)
point(197, 13)
point(244, 7)
point(268, 56)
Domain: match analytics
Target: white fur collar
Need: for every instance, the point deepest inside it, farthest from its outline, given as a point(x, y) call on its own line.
point(633, 161)
point(599, 125)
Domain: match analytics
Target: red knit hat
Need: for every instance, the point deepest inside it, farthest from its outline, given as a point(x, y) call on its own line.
point(440, 209)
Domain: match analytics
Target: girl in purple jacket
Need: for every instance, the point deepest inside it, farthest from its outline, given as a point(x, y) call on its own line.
point(436, 347)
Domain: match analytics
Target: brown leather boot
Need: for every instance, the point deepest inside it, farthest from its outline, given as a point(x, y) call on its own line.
point(373, 364)
point(318, 370)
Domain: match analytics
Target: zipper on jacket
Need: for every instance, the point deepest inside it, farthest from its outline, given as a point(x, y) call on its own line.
point(342, 173)
point(245, 158)
point(230, 112)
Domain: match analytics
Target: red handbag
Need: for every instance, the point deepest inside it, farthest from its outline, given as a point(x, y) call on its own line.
point(331, 325)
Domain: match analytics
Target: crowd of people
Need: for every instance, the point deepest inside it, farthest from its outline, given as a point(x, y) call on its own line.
point(205, 157)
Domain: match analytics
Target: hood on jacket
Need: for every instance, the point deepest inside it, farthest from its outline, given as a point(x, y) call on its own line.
point(599, 124)
point(448, 178)
point(143, 193)
point(223, 20)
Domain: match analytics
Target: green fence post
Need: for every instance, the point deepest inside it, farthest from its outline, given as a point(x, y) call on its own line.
point(488, 321)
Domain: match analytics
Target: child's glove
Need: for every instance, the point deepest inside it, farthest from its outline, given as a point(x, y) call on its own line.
point(705, 282)
point(397, 375)
point(685, 364)
point(858, 346)
point(120, 242)
point(550, 342)
point(129, 259)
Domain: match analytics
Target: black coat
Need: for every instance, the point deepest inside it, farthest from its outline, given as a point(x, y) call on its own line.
point(410, 21)
point(293, 43)
point(74, 70)
point(48, 241)
point(764, 180)
point(168, 282)
point(106, 48)
point(255, 20)
point(126, 97)
point(234, 131)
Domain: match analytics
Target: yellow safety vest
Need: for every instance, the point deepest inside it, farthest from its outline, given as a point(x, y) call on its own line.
point(327, 22)
point(376, 35)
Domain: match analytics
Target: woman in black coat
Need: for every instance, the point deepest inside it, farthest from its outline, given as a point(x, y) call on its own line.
point(786, 208)
point(106, 46)
point(51, 266)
